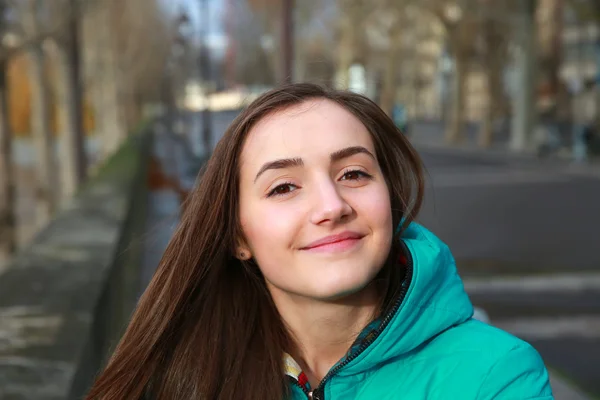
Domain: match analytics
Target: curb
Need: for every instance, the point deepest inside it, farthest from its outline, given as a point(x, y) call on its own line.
point(473, 150)
point(562, 388)
point(558, 282)
point(591, 169)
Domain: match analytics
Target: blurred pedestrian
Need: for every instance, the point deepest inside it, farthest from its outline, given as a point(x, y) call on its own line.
point(547, 134)
point(400, 117)
point(298, 272)
point(584, 117)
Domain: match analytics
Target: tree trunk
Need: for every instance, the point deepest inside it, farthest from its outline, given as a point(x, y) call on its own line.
point(8, 241)
point(46, 166)
point(47, 180)
point(345, 54)
point(524, 110)
point(494, 87)
point(389, 87)
point(301, 66)
point(487, 124)
point(107, 104)
point(455, 129)
point(74, 158)
point(550, 36)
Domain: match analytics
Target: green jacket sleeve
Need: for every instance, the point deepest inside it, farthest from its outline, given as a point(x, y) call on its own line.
point(518, 375)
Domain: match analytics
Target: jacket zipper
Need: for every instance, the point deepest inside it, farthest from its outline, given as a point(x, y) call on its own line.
point(318, 393)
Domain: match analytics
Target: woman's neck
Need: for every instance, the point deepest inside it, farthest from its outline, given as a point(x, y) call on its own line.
point(324, 331)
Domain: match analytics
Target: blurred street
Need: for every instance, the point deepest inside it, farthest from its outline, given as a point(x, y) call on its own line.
point(107, 137)
point(524, 234)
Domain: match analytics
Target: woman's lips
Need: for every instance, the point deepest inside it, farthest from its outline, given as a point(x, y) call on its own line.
point(340, 242)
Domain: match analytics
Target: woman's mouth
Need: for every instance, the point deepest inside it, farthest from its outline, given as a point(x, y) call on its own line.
point(335, 243)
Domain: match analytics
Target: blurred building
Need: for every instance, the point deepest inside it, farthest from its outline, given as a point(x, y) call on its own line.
point(580, 56)
point(420, 85)
point(580, 42)
point(423, 83)
point(426, 69)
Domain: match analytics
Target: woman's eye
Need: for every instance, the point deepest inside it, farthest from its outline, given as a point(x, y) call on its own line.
point(354, 175)
point(282, 189)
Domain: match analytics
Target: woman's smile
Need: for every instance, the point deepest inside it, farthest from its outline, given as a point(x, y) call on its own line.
point(341, 242)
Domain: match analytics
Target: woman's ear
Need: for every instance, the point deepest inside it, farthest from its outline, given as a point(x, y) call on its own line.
point(242, 252)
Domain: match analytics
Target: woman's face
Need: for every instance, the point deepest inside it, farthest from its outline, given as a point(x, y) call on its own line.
point(314, 206)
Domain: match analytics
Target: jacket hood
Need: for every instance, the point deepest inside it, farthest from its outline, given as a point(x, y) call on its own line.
point(435, 301)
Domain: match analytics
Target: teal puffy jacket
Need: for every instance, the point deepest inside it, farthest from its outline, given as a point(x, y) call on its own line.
point(429, 347)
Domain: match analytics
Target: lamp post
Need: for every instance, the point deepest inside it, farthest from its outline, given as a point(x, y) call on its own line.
point(455, 127)
point(205, 74)
point(287, 40)
point(73, 53)
point(8, 243)
point(181, 69)
point(524, 97)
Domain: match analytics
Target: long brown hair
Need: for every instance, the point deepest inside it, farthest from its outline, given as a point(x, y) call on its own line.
point(206, 326)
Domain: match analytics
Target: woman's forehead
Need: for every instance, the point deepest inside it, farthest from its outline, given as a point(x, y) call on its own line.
point(315, 126)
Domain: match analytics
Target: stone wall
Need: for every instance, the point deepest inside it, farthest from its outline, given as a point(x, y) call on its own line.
point(66, 298)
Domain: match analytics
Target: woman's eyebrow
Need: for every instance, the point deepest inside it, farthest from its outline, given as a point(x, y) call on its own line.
point(350, 151)
point(279, 164)
point(297, 162)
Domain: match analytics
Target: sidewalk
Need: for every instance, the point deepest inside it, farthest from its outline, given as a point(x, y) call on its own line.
point(502, 153)
point(563, 390)
point(559, 314)
point(173, 175)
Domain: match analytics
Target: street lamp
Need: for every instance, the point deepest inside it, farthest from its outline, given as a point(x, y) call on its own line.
point(287, 40)
point(180, 69)
point(453, 12)
point(205, 73)
point(183, 24)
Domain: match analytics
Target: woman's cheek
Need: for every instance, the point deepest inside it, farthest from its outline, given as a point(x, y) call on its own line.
point(273, 224)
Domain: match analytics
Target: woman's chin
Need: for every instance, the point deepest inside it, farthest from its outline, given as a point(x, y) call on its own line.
point(336, 290)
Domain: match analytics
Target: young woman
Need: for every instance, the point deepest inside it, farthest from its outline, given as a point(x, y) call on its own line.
point(297, 272)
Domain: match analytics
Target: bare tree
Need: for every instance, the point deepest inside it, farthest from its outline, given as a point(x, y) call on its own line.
point(144, 38)
point(46, 167)
point(493, 55)
point(315, 61)
point(267, 15)
point(391, 16)
point(101, 76)
point(586, 11)
point(549, 32)
point(352, 45)
point(70, 96)
point(264, 18)
point(461, 27)
point(7, 175)
point(128, 45)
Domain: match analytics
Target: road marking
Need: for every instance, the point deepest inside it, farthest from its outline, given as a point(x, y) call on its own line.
point(530, 284)
point(582, 326)
point(563, 390)
point(469, 179)
point(589, 171)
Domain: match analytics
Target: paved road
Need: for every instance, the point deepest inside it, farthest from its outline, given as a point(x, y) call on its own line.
point(513, 210)
point(502, 217)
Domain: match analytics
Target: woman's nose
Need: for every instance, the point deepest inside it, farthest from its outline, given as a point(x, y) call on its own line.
point(329, 205)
